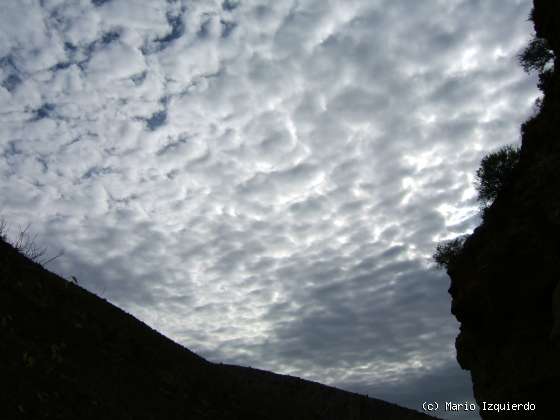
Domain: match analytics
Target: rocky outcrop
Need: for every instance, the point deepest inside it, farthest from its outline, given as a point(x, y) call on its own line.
point(505, 282)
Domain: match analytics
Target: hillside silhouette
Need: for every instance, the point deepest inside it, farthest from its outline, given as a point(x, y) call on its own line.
point(68, 354)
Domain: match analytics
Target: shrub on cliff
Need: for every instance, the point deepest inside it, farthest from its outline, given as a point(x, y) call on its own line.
point(495, 173)
point(448, 251)
point(536, 55)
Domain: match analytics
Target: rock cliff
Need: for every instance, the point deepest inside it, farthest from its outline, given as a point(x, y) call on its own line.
point(505, 281)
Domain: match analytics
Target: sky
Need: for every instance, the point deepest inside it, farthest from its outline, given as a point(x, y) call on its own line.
point(265, 182)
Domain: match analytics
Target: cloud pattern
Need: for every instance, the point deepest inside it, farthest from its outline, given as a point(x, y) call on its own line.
point(264, 181)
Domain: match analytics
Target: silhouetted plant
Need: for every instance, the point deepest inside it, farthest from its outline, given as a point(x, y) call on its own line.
point(536, 55)
point(448, 251)
point(495, 172)
point(546, 79)
point(3, 230)
point(26, 244)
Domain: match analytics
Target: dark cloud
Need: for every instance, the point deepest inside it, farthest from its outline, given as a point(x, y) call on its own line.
point(11, 82)
point(98, 3)
point(156, 120)
point(177, 30)
point(12, 78)
point(139, 78)
point(227, 28)
point(229, 5)
point(44, 111)
point(109, 37)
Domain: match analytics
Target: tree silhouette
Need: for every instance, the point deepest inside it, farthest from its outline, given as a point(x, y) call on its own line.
point(495, 172)
point(536, 55)
point(447, 252)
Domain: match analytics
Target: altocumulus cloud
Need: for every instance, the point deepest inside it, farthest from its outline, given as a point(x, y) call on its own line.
point(264, 181)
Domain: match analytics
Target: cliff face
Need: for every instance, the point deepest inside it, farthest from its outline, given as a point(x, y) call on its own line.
point(505, 283)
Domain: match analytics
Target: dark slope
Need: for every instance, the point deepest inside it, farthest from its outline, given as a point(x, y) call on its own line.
point(505, 283)
point(67, 354)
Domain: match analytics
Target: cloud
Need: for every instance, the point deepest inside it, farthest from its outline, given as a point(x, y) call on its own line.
point(264, 182)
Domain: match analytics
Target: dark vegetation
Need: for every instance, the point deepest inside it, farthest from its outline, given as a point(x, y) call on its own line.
point(68, 354)
point(536, 55)
point(447, 251)
point(505, 276)
point(27, 244)
point(495, 173)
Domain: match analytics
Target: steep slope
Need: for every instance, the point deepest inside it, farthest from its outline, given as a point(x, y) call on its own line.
point(505, 283)
point(67, 354)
